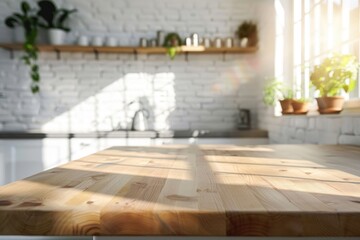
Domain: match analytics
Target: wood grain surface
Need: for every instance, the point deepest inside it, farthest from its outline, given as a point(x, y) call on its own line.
point(274, 190)
point(131, 49)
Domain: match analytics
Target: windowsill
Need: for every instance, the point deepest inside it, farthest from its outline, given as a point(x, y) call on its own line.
point(351, 109)
point(317, 114)
point(352, 103)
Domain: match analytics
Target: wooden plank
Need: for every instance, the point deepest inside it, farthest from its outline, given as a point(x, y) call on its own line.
point(11, 46)
point(209, 190)
point(150, 50)
point(115, 49)
point(131, 49)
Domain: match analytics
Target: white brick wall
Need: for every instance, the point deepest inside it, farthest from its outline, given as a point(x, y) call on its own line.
point(79, 93)
point(334, 129)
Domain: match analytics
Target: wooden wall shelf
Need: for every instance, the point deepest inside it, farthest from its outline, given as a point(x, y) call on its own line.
point(141, 50)
point(131, 50)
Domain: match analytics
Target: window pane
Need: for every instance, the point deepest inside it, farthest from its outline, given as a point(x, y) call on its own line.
point(323, 27)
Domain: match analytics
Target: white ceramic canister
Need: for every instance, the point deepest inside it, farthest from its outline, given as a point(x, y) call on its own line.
point(218, 42)
point(83, 41)
point(57, 36)
point(143, 42)
point(111, 42)
point(207, 42)
point(188, 42)
point(244, 42)
point(229, 42)
point(195, 39)
point(98, 41)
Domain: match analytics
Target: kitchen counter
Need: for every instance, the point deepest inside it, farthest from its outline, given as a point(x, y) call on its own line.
point(189, 190)
point(255, 133)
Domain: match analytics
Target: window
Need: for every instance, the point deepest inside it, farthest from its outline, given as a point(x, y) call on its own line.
point(323, 27)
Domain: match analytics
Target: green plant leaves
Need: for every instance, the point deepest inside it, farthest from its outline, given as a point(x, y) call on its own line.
point(271, 92)
point(275, 90)
point(63, 15)
point(29, 21)
point(35, 89)
point(35, 68)
point(52, 17)
point(246, 29)
point(35, 76)
point(171, 42)
point(12, 22)
point(26, 60)
point(350, 87)
point(171, 51)
point(47, 13)
point(25, 8)
point(335, 74)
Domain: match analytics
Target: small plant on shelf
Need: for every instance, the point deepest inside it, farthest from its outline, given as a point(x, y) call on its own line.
point(171, 43)
point(28, 20)
point(248, 30)
point(54, 19)
point(334, 75)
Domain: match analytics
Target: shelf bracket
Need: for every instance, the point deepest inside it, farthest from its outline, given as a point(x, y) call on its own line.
point(135, 55)
point(58, 54)
point(224, 57)
point(96, 52)
point(186, 56)
point(12, 55)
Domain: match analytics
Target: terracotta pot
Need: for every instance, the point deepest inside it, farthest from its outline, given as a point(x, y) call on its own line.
point(252, 40)
point(330, 105)
point(300, 107)
point(286, 106)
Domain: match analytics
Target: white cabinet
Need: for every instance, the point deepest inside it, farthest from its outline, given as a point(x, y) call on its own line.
point(82, 147)
point(113, 142)
point(22, 158)
point(233, 141)
point(175, 141)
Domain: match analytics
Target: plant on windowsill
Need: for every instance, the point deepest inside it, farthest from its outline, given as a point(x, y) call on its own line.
point(286, 101)
point(334, 75)
point(171, 43)
point(300, 106)
point(29, 22)
point(276, 91)
point(54, 19)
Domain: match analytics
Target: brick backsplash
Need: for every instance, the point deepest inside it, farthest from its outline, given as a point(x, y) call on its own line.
point(335, 129)
point(80, 93)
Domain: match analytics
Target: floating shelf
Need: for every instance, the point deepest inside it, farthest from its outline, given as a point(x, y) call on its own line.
point(130, 50)
point(140, 50)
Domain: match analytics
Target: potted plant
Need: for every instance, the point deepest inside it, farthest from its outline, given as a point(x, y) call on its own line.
point(54, 19)
point(276, 91)
point(28, 21)
point(248, 30)
point(334, 75)
point(171, 43)
point(286, 100)
point(300, 106)
point(21, 22)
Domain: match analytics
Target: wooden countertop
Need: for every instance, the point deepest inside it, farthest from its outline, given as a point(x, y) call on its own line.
point(275, 190)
